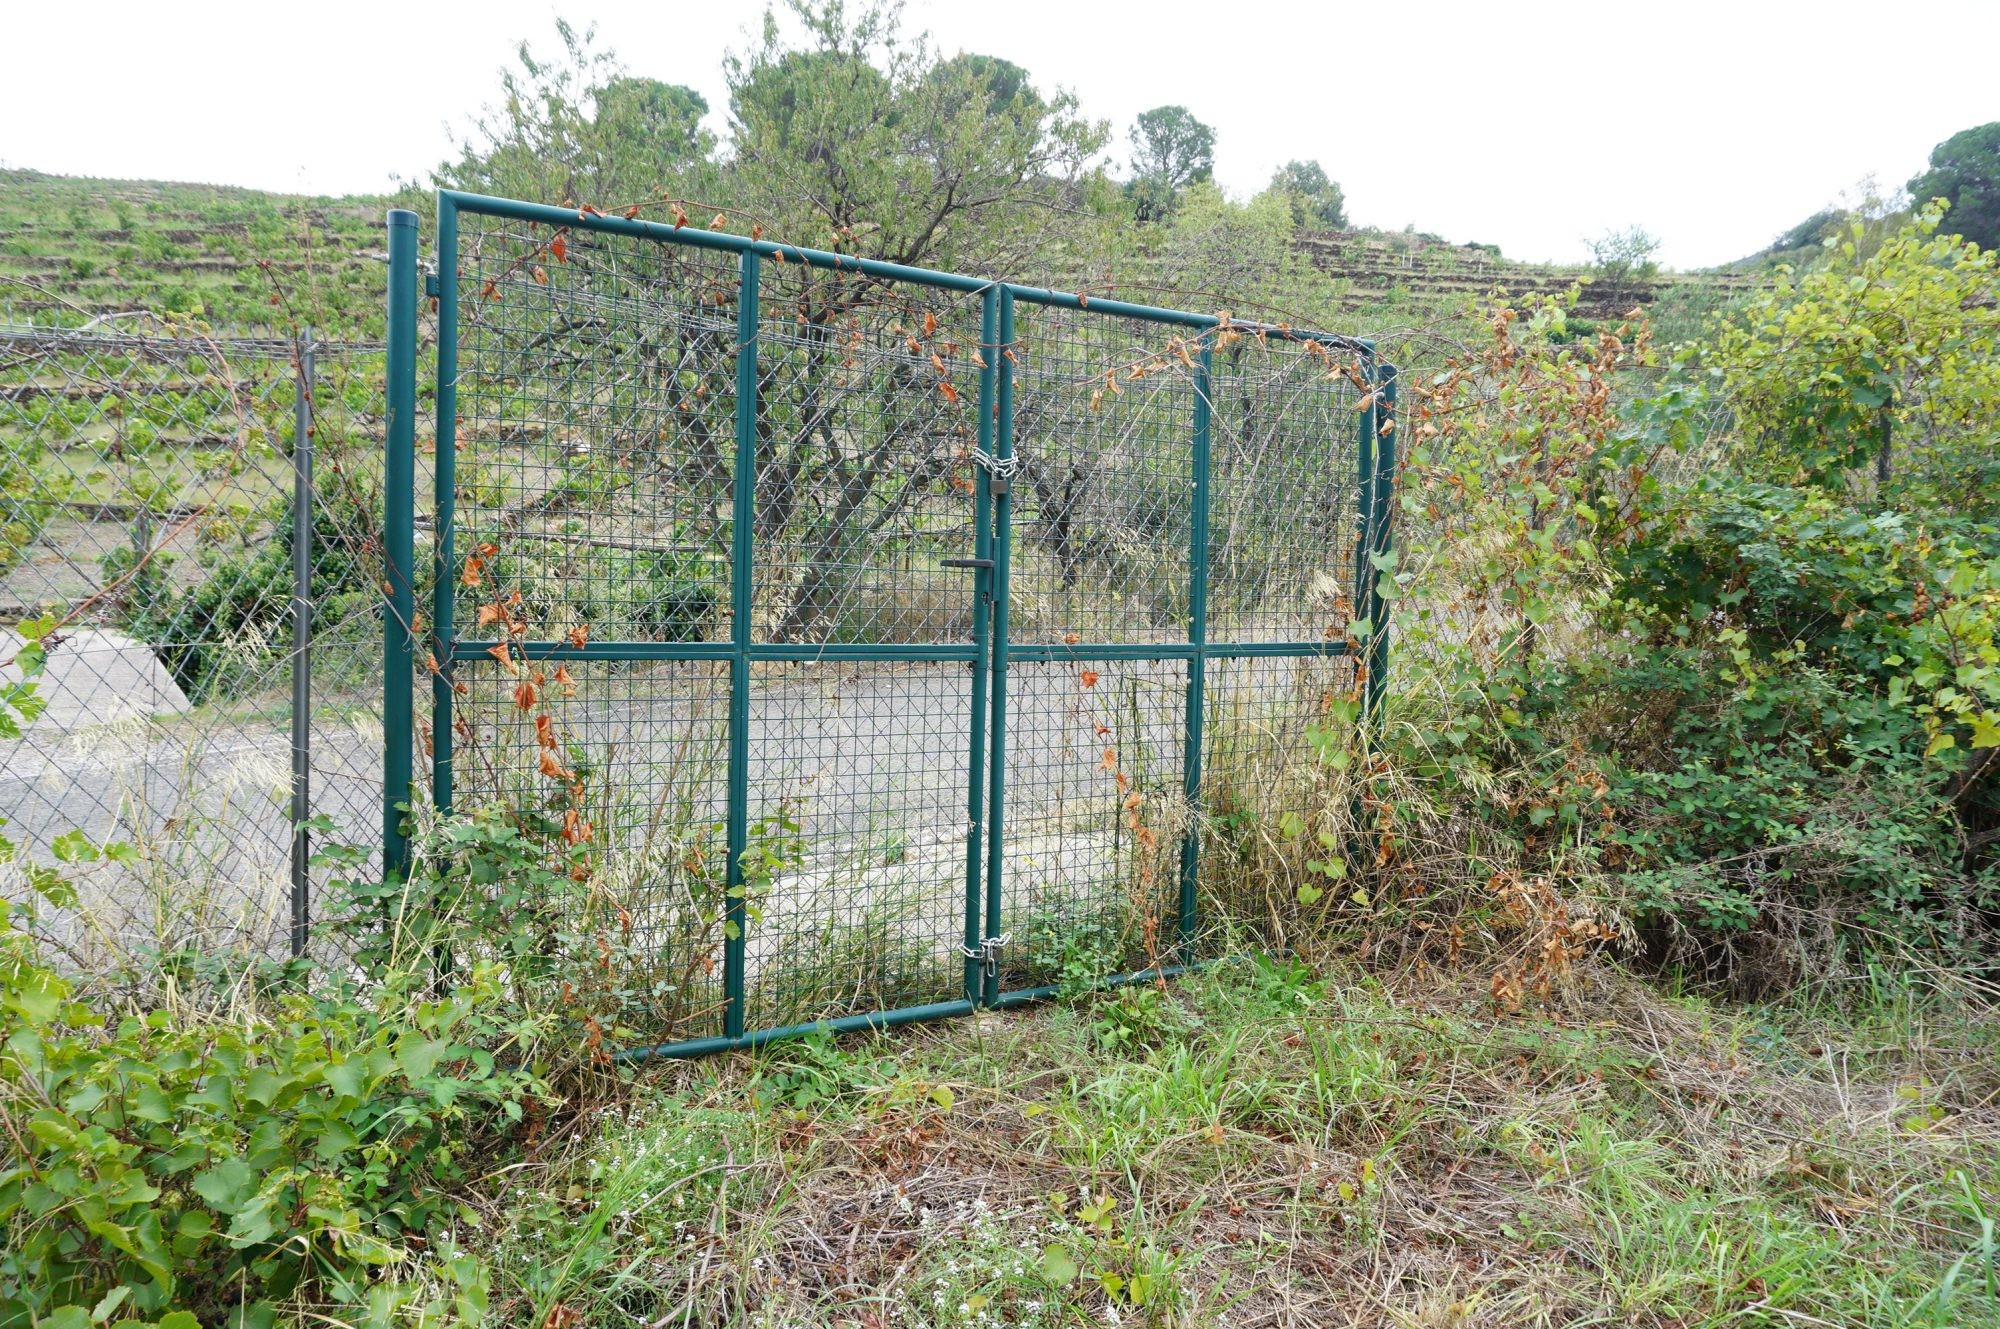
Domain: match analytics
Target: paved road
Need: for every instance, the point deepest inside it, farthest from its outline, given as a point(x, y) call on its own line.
point(868, 762)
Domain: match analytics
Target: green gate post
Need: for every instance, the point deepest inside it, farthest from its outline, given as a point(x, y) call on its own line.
point(1382, 510)
point(1364, 536)
point(742, 551)
point(444, 586)
point(982, 538)
point(1197, 681)
point(399, 483)
point(302, 636)
point(1003, 539)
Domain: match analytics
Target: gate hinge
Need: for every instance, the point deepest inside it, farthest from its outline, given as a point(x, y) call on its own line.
point(431, 286)
point(988, 954)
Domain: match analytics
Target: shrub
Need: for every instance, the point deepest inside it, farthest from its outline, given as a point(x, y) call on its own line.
point(180, 1167)
point(237, 617)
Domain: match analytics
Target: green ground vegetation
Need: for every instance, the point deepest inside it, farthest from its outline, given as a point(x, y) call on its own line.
point(1638, 970)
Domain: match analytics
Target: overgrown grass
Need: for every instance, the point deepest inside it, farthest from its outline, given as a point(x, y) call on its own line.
point(1260, 1146)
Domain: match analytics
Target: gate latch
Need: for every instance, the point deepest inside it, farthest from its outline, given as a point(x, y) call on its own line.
point(988, 954)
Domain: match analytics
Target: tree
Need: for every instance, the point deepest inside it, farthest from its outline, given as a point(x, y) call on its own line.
point(1810, 232)
point(662, 120)
point(861, 140)
point(1965, 172)
point(578, 129)
point(854, 138)
point(1316, 200)
point(1889, 359)
point(1170, 150)
point(1624, 258)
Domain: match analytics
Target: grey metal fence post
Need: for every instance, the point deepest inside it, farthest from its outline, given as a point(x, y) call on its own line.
point(302, 627)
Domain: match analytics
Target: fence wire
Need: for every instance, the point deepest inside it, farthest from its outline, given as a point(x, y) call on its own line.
point(147, 490)
point(710, 582)
point(720, 594)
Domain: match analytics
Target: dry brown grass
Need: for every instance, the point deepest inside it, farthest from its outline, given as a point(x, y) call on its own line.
point(1279, 1151)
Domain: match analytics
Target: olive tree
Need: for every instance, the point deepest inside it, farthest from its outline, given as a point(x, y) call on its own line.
point(1965, 172)
point(858, 138)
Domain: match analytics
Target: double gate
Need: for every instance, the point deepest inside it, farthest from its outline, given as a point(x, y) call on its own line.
point(859, 643)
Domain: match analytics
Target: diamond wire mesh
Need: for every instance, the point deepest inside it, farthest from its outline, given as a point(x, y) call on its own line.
point(147, 507)
point(345, 716)
point(596, 437)
point(867, 397)
point(596, 453)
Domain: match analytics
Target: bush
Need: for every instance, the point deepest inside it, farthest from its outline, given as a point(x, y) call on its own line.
point(237, 618)
point(1803, 674)
point(183, 1168)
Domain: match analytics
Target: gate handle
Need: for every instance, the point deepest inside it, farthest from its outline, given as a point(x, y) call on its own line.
point(980, 563)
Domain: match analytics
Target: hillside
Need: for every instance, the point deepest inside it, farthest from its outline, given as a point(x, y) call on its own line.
point(77, 249)
point(1383, 266)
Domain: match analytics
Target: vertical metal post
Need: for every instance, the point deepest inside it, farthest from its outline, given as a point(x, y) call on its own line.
point(1364, 537)
point(1382, 508)
point(399, 485)
point(982, 538)
point(1197, 680)
point(1003, 537)
point(302, 615)
point(444, 496)
point(742, 553)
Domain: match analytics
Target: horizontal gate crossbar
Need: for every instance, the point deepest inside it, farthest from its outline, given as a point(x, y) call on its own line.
point(1024, 652)
point(1032, 653)
point(722, 241)
point(880, 1020)
point(845, 1024)
point(714, 650)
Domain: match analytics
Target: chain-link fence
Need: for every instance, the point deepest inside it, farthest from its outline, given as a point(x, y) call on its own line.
point(877, 643)
point(213, 662)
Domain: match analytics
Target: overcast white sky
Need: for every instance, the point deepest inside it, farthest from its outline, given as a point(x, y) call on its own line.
point(1530, 124)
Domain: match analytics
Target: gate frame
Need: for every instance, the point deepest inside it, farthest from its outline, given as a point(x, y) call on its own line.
point(989, 652)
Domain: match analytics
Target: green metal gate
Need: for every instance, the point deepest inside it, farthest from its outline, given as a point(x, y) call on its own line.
point(886, 643)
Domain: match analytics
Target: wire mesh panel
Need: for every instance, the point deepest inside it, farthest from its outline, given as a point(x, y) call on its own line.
point(697, 528)
point(626, 760)
point(1276, 774)
point(594, 439)
point(147, 492)
point(1096, 811)
point(1103, 497)
point(344, 736)
point(1183, 539)
point(856, 844)
point(865, 427)
point(865, 629)
point(1283, 512)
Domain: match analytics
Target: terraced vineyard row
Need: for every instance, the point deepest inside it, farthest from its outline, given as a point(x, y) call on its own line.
point(77, 250)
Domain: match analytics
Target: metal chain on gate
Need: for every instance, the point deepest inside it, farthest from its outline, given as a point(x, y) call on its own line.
point(988, 953)
point(1001, 469)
